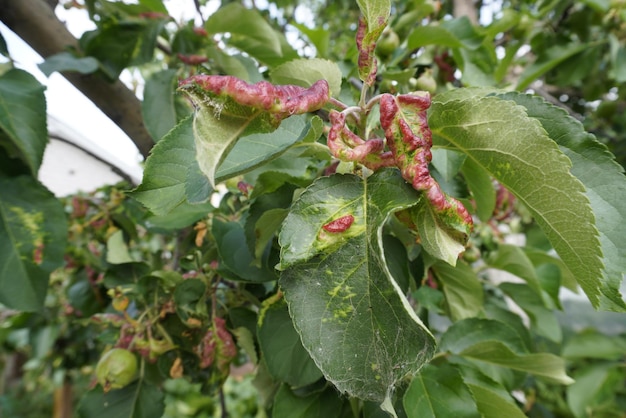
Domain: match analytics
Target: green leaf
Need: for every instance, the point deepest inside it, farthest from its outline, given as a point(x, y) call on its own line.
point(251, 33)
point(542, 318)
point(304, 72)
point(548, 59)
point(463, 289)
point(480, 184)
point(158, 105)
point(447, 162)
point(495, 343)
point(66, 61)
point(265, 216)
point(492, 399)
point(439, 391)
point(231, 245)
point(593, 387)
point(254, 150)
point(513, 259)
point(33, 228)
point(182, 216)
point(117, 250)
point(543, 365)
point(197, 186)
point(468, 332)
point(138, 400)
point(23, 117)
point(432, 35)
point(605, 185)
point(618, 59)
point(592, 344)
point(190, 300)
point(165, 174)
point(462, 29)
point(499, 136)
point(349, 312)
point(319, 37)
point(285, 357)
point(438, 238)
point(321, 404)
point(120, 44)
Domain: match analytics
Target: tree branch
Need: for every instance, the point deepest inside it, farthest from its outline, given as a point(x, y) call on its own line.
point(35, 22)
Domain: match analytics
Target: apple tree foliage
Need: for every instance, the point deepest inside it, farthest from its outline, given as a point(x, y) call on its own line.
point(370, 174)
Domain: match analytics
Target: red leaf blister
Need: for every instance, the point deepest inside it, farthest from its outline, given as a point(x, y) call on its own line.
point(409, 138)
point(280, 100)
point(339, 225)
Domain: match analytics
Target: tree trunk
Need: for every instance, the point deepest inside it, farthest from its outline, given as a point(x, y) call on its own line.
point(35, 22)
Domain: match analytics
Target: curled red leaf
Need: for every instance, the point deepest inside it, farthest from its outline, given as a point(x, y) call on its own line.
point(348, 146)
point(409, 138)
point(368, 66)
point(281, 100)
point(339, 225)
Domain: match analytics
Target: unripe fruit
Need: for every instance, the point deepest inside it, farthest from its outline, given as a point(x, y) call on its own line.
point(426, 82)
point(388, 43)
point(116, 369)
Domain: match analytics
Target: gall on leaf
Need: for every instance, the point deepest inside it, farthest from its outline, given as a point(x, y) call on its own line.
point(279, 100)
point(404, 121)
point(339, 225)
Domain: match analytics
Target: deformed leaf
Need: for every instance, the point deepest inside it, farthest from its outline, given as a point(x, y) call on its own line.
point(500, 137)
point(33, 228)
point(375, 15)
point(442, 220)
point(228, 108)
point(349, 311)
